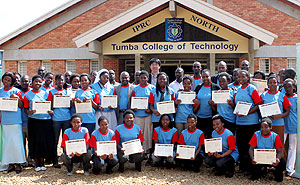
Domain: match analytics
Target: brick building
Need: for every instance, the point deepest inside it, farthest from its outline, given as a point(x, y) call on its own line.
point(86, 35)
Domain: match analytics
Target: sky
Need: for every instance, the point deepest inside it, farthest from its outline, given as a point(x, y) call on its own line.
point(17, 13)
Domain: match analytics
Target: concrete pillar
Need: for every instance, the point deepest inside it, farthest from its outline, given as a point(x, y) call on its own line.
point(100, 62)
point(212, 64)
point(253, 46)
point(137, 62)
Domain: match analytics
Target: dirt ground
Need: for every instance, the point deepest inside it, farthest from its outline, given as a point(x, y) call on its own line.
point(149, 175)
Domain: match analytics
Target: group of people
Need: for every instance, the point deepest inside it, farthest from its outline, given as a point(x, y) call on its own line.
point(190, 125)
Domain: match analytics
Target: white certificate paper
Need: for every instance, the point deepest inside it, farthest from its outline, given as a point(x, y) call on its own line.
point(139, 103)
point(242, 108)
point(109, 100)
point(166, 107)
point(73, 146)
point(84, 107)
point(9, 104)
point(106, 148)
point(185, 151)
point(72, 92)
point(220, 96)
point(132, 147)
point(213, 145)
point(186, 97)
point(41, 107)
point(265, 156)
point(164, 150)
point(261, 85)
point(61, 101)
point(269, 109)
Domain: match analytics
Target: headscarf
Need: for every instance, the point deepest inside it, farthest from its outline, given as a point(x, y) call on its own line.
point(102, 71)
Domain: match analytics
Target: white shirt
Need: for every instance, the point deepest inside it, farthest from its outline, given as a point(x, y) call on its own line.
point(176, 86)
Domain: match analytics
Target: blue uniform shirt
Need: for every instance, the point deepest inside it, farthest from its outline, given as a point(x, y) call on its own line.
point(248, 94)
point(183, 110)
point(107, 89)
point(142, 91)
point(204, 95)
point(59, 114)
point(11, 117)
point(36, 96)
point(228, 142)
point(165, 137)
point(291, 120)
point(225, 110)
point(283, 102)
point(89, 93)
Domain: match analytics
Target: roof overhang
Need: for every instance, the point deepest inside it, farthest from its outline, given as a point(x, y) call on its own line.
point(204, 8)
point(38, 21)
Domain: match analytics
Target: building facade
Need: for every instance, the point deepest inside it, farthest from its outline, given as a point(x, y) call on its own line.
point(86, 35)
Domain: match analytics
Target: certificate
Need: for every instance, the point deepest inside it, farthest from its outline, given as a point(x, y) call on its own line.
point(220, 96)
point(186, 97)
point(106, 148)
point(242, 108)
point(9, 104)
point(185, 151)
point(132, 147)
point(73, 146)
point(165, 107)
point(41, 107)
point(265, 156)
point(139, 103)
point(164, 150)
point(213, 145)
point(261, 85)
point(84, 107)
point(269, 109)
point(61, 101)
point(109, 100)
point(72, 92)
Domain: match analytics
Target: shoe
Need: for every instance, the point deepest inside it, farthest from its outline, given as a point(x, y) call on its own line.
point(229, 174)
point(279, 177)
point(253, 178)
point(70, 173)
point(43, 168)
point(18, 169)
point(138, 166)
point(108, 169)
point(121, 167)
point(11, 168)
point(37, 169)
point(218, 173)
point(86, 173)
point(149, 162)
point(56, 165)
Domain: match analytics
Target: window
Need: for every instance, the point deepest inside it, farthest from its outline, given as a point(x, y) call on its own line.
point(264, 65)
point(292, 63)
point(22, 67)
point(93, 65)
point(70, 66)
point(47, 65)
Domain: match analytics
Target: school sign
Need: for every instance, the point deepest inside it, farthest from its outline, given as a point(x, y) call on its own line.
point(188, 33)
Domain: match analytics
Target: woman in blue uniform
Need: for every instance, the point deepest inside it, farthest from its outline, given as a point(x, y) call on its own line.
point(13, 152)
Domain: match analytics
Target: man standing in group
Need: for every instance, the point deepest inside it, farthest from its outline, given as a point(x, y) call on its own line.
point(41, 70)
point(112, 78)
point(136, 78)
point(197, 75)
point(245, 65)
point(222, 67)
point(154, 66)
point(67, 79)
point(124, 92)
point(177, 84)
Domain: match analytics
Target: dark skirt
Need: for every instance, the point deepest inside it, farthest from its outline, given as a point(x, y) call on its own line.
point(41, 139)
